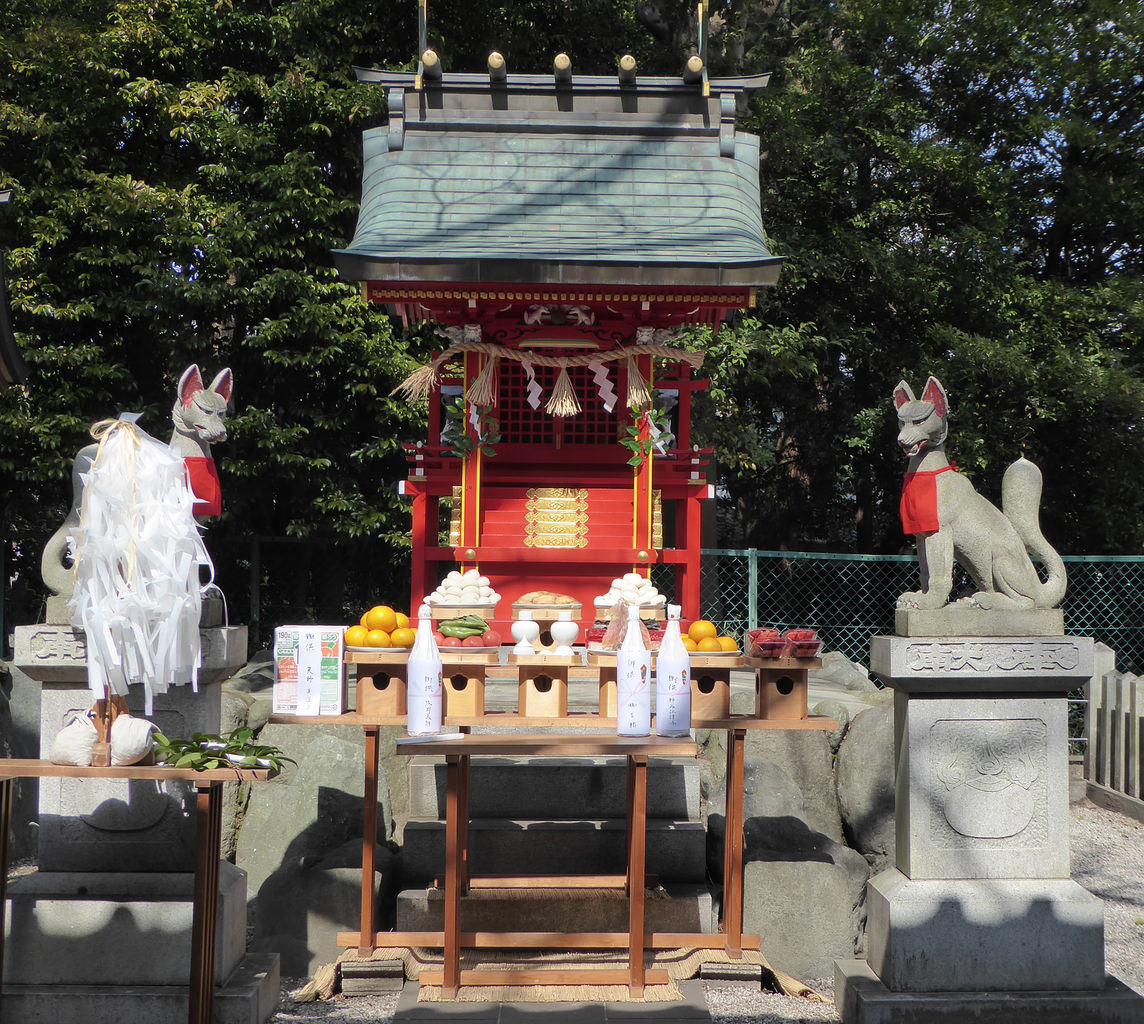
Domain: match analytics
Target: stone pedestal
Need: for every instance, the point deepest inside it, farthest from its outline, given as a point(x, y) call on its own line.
point(110, 825)
point(979, 918)
point(105, 922)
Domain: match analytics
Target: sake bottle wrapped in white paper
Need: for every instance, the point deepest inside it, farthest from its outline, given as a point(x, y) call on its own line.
point(424, 693)
point(633, 681)
point(672, 681)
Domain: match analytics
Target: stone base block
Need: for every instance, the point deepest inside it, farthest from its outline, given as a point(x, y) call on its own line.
point(556, 787)
point(963, 620)
point(371, 977)
point(805, 903)
point(720, 975)
point(676, 850)
point(861, 998)
point(688, 910)
point(983, 935)
point(124, 928)
point(249, 995)
point(299, 911)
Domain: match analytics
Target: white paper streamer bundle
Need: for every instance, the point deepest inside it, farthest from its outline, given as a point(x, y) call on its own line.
point(604, 386)
point(137, 595)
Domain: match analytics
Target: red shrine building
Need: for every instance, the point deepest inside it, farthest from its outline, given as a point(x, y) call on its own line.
point(562, 233)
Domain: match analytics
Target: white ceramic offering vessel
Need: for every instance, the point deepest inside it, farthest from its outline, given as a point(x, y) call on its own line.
point(524, 632)
point(564, 632)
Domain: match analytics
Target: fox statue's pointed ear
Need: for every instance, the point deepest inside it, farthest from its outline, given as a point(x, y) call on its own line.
point(903, 393)
point(223, 384)
point(935, 394)
point(190, 382)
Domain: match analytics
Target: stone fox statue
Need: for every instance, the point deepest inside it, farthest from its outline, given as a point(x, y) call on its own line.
point(950, 520)
point(199, 417)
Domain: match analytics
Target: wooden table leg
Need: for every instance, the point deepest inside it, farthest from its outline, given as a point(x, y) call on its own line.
point(6, 796)
point(451, 966)
point(368, 843)
point(204, 920)
point(733, 843)
point(463, 826)
point(629, 800)
point(637, 831)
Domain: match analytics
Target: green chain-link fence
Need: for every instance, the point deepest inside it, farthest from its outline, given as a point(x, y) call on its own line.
point(850, 598)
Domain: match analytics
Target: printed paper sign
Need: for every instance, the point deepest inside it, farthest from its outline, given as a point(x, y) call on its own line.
point(308, 670)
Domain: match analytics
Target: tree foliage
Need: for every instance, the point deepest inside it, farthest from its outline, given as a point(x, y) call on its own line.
point(956, 188)
point(958, 191)
point(181, 170)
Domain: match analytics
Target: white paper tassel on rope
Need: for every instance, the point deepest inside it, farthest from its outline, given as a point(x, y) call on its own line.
point(604, 387)
point(137, 595)
point(533, 389)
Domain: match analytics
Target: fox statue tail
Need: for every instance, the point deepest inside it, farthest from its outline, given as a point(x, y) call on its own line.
point(1021, 503)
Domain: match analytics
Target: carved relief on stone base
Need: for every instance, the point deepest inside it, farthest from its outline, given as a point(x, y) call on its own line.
point(989, 779)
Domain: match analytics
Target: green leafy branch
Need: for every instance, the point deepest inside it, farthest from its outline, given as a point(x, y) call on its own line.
point(456, 436)
point(204, 751)
point(641, 447)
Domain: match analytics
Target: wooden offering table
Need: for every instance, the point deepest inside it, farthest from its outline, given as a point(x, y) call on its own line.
point(457, 750)
point(780, 703)
point(208, 831)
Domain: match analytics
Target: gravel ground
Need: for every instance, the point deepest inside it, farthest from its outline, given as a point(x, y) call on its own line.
point(1107, 859)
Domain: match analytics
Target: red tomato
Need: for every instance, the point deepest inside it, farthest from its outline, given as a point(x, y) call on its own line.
point(450, 641)
point(473, 641)
point(490, 638)
point(439, 637)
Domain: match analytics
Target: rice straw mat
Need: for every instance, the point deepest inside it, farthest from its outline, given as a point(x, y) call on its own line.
point(680, 964)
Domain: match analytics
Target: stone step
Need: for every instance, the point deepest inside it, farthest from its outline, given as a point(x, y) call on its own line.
point(120, 928)
point(553, 787)
point(676, 850)
point(689, 909)
point(248, 995)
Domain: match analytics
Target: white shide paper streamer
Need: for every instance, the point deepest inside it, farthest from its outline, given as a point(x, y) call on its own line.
point(533, 389)
point(137, 595)
point(604, 385)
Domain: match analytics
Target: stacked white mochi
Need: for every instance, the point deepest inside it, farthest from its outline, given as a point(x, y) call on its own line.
point(466, 588)
point(633, 589)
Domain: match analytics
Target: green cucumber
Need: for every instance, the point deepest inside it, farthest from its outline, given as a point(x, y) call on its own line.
point(461, 632)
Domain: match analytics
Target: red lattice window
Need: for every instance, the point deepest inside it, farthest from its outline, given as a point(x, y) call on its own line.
point(519, 423)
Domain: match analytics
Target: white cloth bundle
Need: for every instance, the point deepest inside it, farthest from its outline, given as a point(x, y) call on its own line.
point(137, 595)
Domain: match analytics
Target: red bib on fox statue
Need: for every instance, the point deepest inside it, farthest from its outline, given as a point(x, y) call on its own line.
point(205, 486)
point(918, 506)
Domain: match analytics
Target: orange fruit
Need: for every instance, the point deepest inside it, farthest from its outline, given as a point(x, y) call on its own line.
point(402, 620)
point(728, 643)
point(402, 636)
point(688, 643)
point(701, 629)
point(377, 638)
point(355, 636)
point(362, 622)
point(709, 645)
point(381, 616)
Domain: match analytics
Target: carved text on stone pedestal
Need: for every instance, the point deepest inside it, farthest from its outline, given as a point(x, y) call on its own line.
point(990, 658)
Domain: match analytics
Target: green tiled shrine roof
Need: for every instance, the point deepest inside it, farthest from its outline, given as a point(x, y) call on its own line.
point(483, 195)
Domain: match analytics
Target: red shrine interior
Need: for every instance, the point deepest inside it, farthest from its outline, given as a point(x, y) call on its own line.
point(627, 518)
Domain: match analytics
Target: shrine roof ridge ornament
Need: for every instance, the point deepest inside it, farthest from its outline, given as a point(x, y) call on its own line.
point(586, 83)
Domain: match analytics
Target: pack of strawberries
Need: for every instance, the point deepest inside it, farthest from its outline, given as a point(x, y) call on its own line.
point(768, 642)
